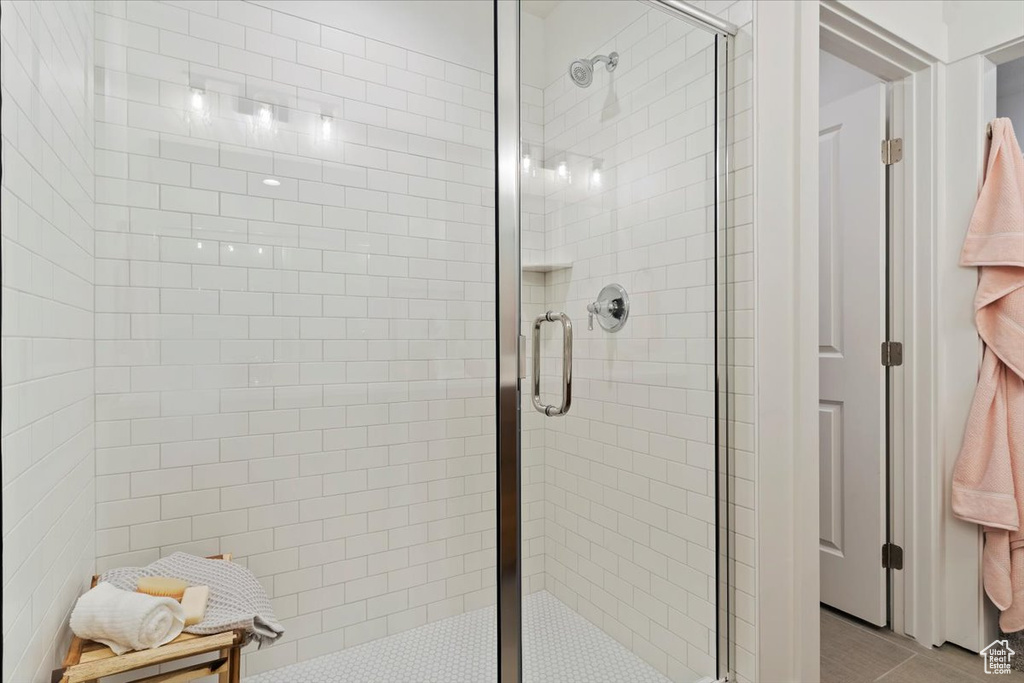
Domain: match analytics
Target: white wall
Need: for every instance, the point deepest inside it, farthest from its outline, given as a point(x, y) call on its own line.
point(301, 375)
point(46, 52)
point(437, 27)
point(920, 22)
point(948, 30)
point(979, 25)
point(533, 62)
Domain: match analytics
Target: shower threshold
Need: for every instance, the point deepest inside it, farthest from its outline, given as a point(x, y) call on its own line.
point(559, 645)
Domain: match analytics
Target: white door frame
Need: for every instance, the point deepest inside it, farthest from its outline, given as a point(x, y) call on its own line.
point(913, 183)
point(786, 82)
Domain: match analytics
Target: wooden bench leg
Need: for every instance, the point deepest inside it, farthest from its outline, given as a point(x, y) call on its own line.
point(233, 672)
point(224, 676)
point(236, 664)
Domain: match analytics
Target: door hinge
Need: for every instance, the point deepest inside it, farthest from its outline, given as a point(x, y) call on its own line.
point(892, 354)
point(892, 151)
point(892, 556)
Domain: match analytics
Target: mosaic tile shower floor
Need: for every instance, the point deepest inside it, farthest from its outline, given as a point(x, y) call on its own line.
point(560, 646)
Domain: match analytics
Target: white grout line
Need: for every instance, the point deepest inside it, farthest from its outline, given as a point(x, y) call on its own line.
point(896, 667)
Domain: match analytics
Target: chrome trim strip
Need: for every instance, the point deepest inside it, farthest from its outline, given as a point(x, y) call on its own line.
point(694, 15)
point(724, 291)
point(507, 278)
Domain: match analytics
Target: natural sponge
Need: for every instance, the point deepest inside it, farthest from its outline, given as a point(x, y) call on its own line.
point(161, 587)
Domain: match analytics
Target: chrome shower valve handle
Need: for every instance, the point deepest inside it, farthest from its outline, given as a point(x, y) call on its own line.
point(611, 308)
point(603, 309)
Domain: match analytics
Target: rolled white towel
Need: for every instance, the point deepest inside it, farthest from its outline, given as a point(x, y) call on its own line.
point(123, 620)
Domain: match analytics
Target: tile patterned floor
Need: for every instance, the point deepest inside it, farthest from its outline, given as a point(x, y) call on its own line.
point(854, 652)
point(559, 645)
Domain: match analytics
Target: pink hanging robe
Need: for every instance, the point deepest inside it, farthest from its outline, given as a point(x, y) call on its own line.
point(988, 480)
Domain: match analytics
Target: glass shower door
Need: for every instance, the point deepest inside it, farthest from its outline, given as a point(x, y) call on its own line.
point(616, 270)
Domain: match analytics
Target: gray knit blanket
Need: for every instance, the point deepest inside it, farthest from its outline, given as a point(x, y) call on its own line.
point(237, 600)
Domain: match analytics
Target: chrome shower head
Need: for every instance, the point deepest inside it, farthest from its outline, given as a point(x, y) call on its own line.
point(581, 71)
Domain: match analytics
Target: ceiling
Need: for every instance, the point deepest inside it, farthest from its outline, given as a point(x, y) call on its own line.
point(540, 8)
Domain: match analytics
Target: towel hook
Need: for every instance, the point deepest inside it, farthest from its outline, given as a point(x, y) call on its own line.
point(988, 130)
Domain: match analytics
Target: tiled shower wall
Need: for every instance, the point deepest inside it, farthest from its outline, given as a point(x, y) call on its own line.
point(301, 374)
point(631, 515)
point(629, 473)
point(741, 335)
point(291, 394)
point(47, 232)
point(533, 304)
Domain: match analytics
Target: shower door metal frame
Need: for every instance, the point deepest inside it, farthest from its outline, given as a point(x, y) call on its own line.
point(724, 537)
point(507, 316)
point(508, 333)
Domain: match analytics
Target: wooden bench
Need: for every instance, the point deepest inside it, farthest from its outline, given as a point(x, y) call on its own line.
point(88, 661)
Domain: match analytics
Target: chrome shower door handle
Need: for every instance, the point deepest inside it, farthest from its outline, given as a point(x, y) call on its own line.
point(551, 316)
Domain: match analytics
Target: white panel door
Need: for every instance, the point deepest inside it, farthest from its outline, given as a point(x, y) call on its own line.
point(851, 330)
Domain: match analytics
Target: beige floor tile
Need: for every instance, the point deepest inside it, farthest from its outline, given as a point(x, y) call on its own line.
point(920, 669)
point(854, 652)
point(852, 648)
point(833, 671)
point(969, 664)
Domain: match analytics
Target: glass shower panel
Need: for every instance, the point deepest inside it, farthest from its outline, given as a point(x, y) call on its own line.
point(619, 217)
point(295, 318)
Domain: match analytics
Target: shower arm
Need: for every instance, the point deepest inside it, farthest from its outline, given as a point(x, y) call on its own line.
point(610, 62)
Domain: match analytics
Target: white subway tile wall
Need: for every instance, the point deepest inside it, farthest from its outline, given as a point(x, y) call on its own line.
point(533, 234)
point(629, 475)
point(532, 454)
point(741, 334)
point(533, 304)
point(295, 315)
point(46, 200)
point(290, 289)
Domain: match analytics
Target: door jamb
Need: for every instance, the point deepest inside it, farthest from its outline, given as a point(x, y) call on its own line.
point(913, 518)
point(786, 43)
